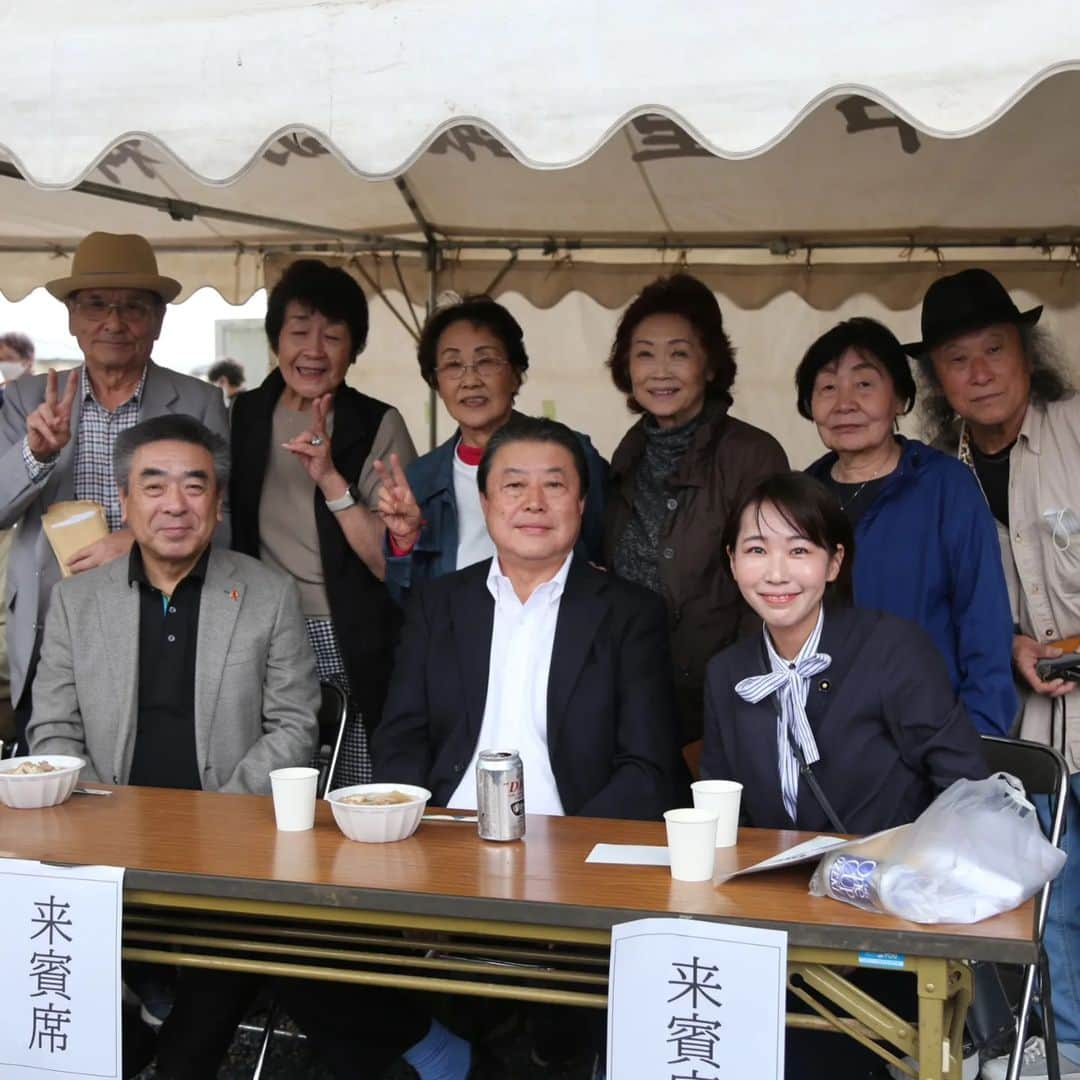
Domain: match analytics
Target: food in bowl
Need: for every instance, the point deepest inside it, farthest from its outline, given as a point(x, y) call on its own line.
point(378, 798)
point(378, 813)
point(32, 783)
point(32, 768)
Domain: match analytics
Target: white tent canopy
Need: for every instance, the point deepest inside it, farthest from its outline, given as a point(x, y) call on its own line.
point(594, 141)
point(810, 161)
point(376, 80)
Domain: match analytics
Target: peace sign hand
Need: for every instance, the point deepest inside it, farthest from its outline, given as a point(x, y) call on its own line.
point(48, 427)
point(313, 446)
point(397, 504)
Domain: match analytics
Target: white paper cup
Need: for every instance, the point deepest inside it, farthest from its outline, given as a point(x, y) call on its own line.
point(691, 839)
point(722, 797)
point(294, 798)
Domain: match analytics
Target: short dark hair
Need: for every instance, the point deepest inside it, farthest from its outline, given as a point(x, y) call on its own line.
point(871, 340)
point(328, 290)
point(535, 429)
point(480, 311)
point(812, 510)
point(19, 343)
point(172, 427)
point(679, 294)
point(229, 370)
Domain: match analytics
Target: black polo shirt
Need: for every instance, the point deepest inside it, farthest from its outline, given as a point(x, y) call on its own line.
point(168, 637)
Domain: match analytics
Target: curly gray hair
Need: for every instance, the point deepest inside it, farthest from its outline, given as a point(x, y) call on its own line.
point(1049, 382)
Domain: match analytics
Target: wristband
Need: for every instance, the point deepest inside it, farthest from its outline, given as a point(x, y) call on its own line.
point(398, 549)
point(343, 502)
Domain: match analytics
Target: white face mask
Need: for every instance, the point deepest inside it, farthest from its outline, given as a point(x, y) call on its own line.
point(10, 370)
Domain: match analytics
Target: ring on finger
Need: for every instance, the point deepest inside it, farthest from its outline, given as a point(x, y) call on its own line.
point(316, 440)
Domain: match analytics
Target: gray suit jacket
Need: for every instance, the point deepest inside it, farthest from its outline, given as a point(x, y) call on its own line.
point(256, 692)
point(32, 569)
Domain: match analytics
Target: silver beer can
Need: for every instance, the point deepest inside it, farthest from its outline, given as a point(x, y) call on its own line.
point(500, 795)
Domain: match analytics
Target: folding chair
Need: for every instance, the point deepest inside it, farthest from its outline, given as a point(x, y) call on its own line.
point(333, 716)
point(1042, 771)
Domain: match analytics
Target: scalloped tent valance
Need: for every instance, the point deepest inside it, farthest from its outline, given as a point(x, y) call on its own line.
point(596, 141)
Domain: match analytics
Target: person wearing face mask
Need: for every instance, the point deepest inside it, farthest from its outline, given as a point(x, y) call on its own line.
point(16, 358)
point(999, 400)
point(677, 473)
point(304, 489)
point(926, 546)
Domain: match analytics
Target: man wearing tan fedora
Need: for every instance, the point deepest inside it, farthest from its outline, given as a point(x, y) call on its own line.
point(57, 432)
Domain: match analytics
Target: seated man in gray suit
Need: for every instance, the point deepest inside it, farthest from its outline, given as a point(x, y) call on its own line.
point(179, 666)
point(57, 433)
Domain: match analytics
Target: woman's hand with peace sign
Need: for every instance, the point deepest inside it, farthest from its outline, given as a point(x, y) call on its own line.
point(48, 427)
point(397, 504)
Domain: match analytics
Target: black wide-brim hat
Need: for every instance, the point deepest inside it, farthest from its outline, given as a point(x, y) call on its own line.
point(963, 302)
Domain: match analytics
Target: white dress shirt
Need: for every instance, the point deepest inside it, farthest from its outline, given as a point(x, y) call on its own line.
point(474, 544)
point(515, 712)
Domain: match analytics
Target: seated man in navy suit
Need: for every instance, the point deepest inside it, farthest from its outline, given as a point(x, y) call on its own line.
point(537, 651)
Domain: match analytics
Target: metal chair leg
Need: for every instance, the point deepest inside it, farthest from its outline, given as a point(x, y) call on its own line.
point(1022, 1013)
point(264, 1049)
point(1053, 1061)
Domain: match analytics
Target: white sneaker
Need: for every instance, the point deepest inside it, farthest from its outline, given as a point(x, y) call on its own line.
point(1033, 1066)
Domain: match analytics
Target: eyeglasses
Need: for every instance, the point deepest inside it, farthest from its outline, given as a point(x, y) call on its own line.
point(130, 311)
point(487, 368)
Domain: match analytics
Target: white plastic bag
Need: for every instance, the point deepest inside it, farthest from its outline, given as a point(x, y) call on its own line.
point(977, 850)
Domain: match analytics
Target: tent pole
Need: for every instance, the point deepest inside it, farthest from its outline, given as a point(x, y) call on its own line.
point(434, 259)
point(182, 210)
point(377, 289)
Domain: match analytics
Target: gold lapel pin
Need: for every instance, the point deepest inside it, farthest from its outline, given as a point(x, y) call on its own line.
point(234, 594)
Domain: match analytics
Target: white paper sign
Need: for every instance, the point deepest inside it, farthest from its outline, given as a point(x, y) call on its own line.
point(695, 1000)
point(60, 958)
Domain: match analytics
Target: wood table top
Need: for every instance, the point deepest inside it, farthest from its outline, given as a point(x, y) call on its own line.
point(208, 844)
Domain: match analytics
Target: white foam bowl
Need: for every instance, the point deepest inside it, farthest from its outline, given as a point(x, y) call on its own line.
point(32, 791)
point(378, 824)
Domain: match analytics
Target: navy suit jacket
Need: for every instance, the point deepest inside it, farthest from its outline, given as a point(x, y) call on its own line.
point(611, 725)
point(890, 730)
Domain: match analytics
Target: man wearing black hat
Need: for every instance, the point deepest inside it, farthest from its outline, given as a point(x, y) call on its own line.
point(1000, 402)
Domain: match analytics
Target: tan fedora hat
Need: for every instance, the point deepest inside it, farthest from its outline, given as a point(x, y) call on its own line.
point(114, 261)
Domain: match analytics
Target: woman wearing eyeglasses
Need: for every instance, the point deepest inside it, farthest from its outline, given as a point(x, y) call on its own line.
point(473, 354)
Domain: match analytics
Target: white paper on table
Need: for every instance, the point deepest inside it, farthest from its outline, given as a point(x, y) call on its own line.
point(807, 851)
point(60, 958)
point(629, 855)
point(688, 995)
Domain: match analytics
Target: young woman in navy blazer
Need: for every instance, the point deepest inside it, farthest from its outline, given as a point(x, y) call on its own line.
point(864, 697)
point(878, 713)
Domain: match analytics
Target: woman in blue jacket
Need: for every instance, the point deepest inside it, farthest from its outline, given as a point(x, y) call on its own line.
point(926, 547)
point(473, 354)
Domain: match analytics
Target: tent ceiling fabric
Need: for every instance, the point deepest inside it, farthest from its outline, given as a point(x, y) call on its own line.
point(377, 79)
point(296, 126)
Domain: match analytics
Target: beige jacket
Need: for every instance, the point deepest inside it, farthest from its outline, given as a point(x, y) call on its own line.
point(1041, 559)
point(7, 723)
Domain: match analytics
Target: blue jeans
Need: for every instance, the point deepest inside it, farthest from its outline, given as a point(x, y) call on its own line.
point(1062, 935)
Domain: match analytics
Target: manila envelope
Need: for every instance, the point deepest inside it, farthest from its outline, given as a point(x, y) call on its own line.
point(71, 526)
